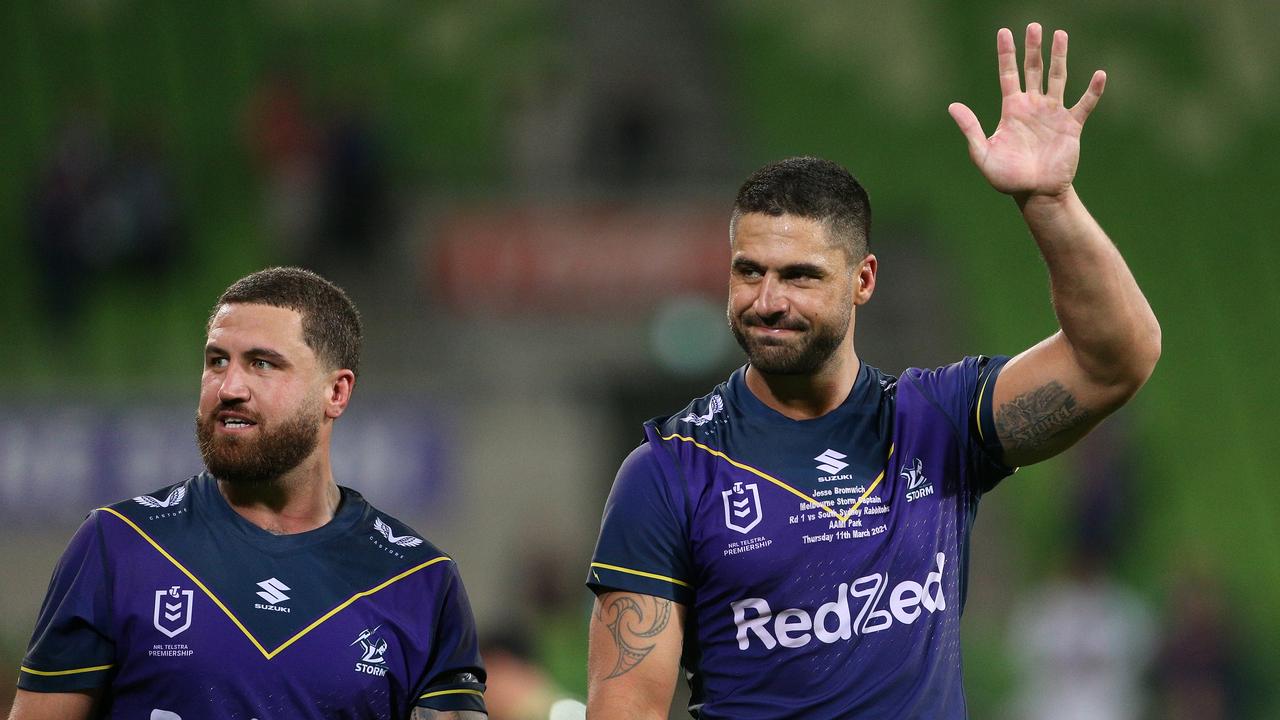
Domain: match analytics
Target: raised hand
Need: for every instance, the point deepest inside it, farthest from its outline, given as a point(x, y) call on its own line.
point(1036, 147)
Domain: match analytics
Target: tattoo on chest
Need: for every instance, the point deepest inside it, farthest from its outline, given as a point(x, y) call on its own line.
point(1037, 416)
point(632, 620)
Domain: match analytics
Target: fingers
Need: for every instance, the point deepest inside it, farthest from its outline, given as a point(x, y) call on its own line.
point(1058, 66)
point(1033, 61)
point(1092, 94)
point(972, 129)
point(1007, 62)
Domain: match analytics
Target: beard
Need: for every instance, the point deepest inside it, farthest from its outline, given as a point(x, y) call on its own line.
point(803, 355)
point(261, 460)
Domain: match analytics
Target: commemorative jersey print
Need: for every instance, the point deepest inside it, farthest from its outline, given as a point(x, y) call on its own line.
point(822, 561)
point(176, 605)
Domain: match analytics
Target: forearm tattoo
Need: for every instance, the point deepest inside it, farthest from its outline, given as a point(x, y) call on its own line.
point(1034, 418)
point(633, 619)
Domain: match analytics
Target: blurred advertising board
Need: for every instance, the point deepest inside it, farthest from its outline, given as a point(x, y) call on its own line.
point(579, 259)
point(60, 461)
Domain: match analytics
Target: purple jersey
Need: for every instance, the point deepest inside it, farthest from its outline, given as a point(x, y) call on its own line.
point(822, 561)
point(177, 607)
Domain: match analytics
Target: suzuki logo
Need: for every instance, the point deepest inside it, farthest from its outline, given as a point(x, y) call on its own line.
point(272, 591)
point(829, 461)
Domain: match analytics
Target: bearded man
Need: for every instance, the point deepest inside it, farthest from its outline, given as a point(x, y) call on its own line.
point(259, 588)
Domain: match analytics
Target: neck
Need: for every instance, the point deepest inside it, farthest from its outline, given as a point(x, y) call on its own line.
point(302, 499)
point(804, 397)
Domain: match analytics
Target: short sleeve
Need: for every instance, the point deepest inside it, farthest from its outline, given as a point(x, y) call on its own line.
point(963, 391)
point(71, 648)
point(642, 546)
point(455, 676)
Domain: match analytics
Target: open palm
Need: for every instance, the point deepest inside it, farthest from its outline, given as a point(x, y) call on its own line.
point(1036, 146)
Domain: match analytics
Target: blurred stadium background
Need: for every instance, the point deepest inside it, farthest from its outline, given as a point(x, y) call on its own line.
point(528, 201)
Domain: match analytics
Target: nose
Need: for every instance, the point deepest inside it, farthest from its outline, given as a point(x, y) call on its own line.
point(233, 387)
point(771, 301)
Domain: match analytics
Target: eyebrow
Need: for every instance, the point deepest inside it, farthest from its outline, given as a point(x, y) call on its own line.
point(792, 269)
point(257, 352)
point(803, 269)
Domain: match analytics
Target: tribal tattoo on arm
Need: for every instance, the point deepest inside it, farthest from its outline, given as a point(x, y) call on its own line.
point(633, 619)
point(1038, 417)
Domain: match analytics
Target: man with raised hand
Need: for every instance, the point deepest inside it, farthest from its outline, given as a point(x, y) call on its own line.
point(798, 538)
point(259, 588)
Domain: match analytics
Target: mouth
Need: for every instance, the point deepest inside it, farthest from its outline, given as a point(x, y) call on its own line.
point(774, 331)
point(233, 422)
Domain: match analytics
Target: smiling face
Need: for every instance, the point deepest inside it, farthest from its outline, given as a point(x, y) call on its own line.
point(264, 396)
point(792, 292)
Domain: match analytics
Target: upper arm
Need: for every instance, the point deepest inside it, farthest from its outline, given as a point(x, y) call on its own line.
point(1044, 401)
point(642, 545)
point(421, 713)
point(72, 648)
point(29, 705)
point(633, 655)
point(453, 678)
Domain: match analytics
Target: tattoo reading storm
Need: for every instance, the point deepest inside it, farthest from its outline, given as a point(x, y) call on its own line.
point(651, 616)
point(1036, 417)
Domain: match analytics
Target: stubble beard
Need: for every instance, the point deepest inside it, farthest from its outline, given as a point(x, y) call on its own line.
point(261, 460)
point(805, 356)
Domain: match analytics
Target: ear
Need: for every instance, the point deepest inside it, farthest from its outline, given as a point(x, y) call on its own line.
point(865, 280)
point(338, 392)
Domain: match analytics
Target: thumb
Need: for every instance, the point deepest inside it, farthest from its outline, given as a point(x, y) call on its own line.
point(972, 129)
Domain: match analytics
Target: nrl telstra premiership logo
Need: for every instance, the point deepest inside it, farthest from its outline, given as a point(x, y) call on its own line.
point(172, 612)
point(742, 510)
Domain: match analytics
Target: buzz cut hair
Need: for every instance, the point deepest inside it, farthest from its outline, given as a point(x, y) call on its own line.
point(811, 188)
point(331, 325)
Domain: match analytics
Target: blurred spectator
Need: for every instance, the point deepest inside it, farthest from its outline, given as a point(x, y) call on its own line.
point(1197, 671)
point(1081, 643)
point(284, 140)
point(325, 173)
point(60, 205)
point(355, 202)
point(101, 206)
point(558, 611)
point(517, 687)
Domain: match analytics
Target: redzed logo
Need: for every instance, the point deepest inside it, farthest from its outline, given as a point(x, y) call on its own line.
point(834, 621)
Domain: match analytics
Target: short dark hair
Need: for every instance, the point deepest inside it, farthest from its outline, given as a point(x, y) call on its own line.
point(812, 188)
point(330, 322)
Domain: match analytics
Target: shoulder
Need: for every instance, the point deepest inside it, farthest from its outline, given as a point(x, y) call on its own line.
point(396, 538)
point(640, 473)
point(962, 377)
point(169, 499)
point(700, 415)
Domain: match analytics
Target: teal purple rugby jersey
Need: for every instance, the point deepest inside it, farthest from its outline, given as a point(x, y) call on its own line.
point(823, 562)
point(178, 608)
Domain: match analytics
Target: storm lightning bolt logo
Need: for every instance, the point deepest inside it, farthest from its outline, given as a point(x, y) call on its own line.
point(374, 646)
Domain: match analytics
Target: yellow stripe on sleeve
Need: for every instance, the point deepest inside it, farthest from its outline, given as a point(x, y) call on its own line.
point(641, 573)
point(55, 673)
point(459, 691)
